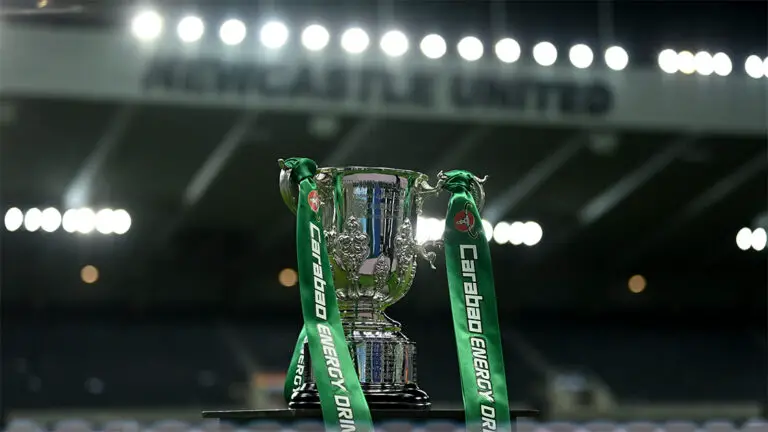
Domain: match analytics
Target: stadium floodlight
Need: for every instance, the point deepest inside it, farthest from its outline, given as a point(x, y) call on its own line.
point(232, 32)
point(616, 58)
point(765, 67)
point(190, 29)
point(722, 64)
point(516, 233)
point(121, 221)
point(470, 48)
point(704, 63)
point(507, 50)
point(501, 233)
point(33, 218)
point(686, 62)
point(488, 229)
point(545, 53)
point(744, 238)
point(668, 61)
point(394, 43)
point(753, 66)
point(104, 221)
point(532, 233)
point(355, 40)
point(428, 228)
point(85, 220)
point(433, 46)
point(759, 239)
point(581, 56)
point(147, 25)
point(274, 35)
point(315, 37)
point(69, 221)
point(51, 220)
point(14, 218)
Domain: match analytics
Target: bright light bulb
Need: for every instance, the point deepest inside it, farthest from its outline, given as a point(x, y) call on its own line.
point(69, 221)
point(686, 62)
point(433, 46)
point(517, 233)
point(704, 63)
point(545, 53)
point(190, 29)
point(501, 233)
point(616, 58)
point(759, 239)
point(754, 67)
point(232, 32)
point(33, 218)
point(668, 61)
point(315, 37)
point(488, 229)
point(355, 41)
point(86, 220)
point(51, 220)
point(394, 43)
point(470, 48)
point(508, 50)
point(14, 218)
point(744, 238)
point(121, 221)
point(581, 56)
point(533, 233)
point(147, 25)
point(274, 35)
point(723, 65)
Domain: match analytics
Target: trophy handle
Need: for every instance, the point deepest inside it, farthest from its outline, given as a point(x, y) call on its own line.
point(427, 249)
point(289, 190)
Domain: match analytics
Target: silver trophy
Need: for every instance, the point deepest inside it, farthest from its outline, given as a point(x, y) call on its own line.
point(369, 216)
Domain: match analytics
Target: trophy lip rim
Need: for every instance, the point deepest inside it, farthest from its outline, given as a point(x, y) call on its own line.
point(370, 169)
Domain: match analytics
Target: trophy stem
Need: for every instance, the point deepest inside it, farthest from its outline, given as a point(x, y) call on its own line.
point(365, 315)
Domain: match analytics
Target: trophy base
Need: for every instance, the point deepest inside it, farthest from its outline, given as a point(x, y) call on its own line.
point(378, 396)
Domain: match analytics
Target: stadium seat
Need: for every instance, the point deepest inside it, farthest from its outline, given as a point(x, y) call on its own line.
point(73, 425)
point(263, 426)
point(560, 427)
point(755, 426)
point(170, 426)
point(641, 427)
point(24, 425)
point(308, 426)
point(441, 426)
point(395, 426)
point(121, 426)
point(718, 426)
point(527, 426)
point(600, 426)
point(679, 426)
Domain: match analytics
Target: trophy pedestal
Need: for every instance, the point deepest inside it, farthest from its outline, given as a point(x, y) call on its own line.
point(289, 417)
point(378, 396)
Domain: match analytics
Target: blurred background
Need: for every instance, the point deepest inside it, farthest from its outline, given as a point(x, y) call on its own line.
point(148, 259)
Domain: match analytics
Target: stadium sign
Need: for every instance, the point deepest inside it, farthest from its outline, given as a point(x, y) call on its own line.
point(376, 85)
point(106, 66)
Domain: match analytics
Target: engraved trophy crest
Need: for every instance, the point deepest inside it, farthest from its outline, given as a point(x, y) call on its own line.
point(369, 216)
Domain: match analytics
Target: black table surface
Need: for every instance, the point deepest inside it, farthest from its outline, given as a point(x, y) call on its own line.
point(316, 414)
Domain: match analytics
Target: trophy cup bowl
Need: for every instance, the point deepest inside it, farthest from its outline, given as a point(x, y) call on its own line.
point(369, 216)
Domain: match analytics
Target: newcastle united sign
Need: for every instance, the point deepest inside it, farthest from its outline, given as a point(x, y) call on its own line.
point(377, 85)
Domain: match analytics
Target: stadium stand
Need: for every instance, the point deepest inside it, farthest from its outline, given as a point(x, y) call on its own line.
point(665, 365)
point(87, 365)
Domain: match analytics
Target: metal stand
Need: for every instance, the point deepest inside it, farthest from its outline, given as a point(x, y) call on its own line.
point(290, 416)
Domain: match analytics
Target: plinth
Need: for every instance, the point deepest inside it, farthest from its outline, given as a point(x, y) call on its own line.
point(288, 417)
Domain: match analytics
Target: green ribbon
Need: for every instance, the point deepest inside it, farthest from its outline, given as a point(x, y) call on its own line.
point(473, 305)
point(341, 397)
